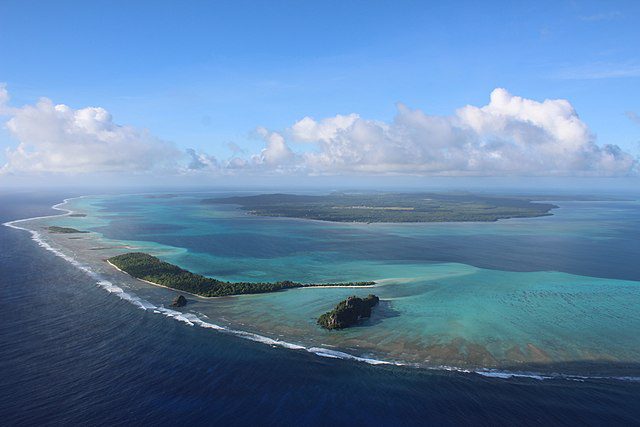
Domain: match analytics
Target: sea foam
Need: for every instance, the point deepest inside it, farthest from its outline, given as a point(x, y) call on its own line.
point(193, 320)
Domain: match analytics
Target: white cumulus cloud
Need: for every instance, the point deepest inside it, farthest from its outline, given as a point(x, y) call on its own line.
point(276, 153)
point(57, 138)
point(510, 135)
point(200, 161)
point(308, 130)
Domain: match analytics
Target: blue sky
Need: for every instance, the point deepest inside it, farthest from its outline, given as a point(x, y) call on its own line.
point(201, 75)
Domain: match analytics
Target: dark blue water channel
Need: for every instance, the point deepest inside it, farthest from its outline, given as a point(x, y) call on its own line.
point(73, 354)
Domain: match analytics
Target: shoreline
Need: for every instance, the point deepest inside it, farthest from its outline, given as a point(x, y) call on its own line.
point(236, 295)
point(187, 318)
point(192, 319)
point(57, 206)
point(352, 223)
point(162, 286)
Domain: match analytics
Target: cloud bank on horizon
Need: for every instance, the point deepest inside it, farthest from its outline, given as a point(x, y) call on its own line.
point(510, 136)
point(58, 139)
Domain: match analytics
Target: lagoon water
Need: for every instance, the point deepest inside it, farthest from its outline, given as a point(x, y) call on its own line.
point(553, 297)
point(498, 295)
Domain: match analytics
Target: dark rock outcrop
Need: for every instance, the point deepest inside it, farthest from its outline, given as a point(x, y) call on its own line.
point(179, 301)
point(63, 230)
point(348, 312)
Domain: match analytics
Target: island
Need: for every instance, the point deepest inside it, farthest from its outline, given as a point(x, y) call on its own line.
point(64, 230)
point(348, 312)
point(160, 196)
point(157, 272)
point(389, 207)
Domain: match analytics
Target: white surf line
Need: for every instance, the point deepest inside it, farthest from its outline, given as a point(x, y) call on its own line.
point(193, 320)
point(57, 207)
point(187, 318)
point(502, 374)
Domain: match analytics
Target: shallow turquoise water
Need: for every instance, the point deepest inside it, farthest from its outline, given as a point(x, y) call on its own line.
point(544, 290)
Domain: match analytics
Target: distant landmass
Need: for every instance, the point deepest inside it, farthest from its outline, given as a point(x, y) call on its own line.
point(64, 230)
point(389, 207)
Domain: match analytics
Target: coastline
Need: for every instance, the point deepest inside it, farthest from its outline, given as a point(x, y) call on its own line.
point(186, 318)
point(251, 214)
point(193, 319)
point(57, 206)
point(406, 223)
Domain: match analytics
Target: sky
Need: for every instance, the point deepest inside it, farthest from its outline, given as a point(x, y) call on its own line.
point(236, 91)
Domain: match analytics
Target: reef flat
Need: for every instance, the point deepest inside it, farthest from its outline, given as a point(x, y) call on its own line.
point(153, 270)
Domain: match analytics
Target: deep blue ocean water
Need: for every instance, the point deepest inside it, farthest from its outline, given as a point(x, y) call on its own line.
point(74, 354)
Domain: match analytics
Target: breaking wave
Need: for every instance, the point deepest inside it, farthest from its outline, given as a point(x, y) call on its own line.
point(193, 320)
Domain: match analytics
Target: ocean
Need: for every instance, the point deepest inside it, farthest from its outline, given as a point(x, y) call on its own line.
point(73, 353)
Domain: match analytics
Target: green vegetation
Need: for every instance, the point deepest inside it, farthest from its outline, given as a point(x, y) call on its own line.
point(146, 267)
point(63, 230)
point(348, 312)
point(160, 196)
point(389, 207)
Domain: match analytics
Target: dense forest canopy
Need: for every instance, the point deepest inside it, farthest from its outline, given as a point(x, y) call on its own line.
point(147, 267)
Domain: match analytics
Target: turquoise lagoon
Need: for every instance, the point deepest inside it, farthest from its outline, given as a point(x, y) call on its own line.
point(552, 293)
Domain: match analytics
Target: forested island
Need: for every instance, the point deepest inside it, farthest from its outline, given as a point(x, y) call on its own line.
point(348, 312)
point(389, 207)
point(64, 230)
point(151, 269)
